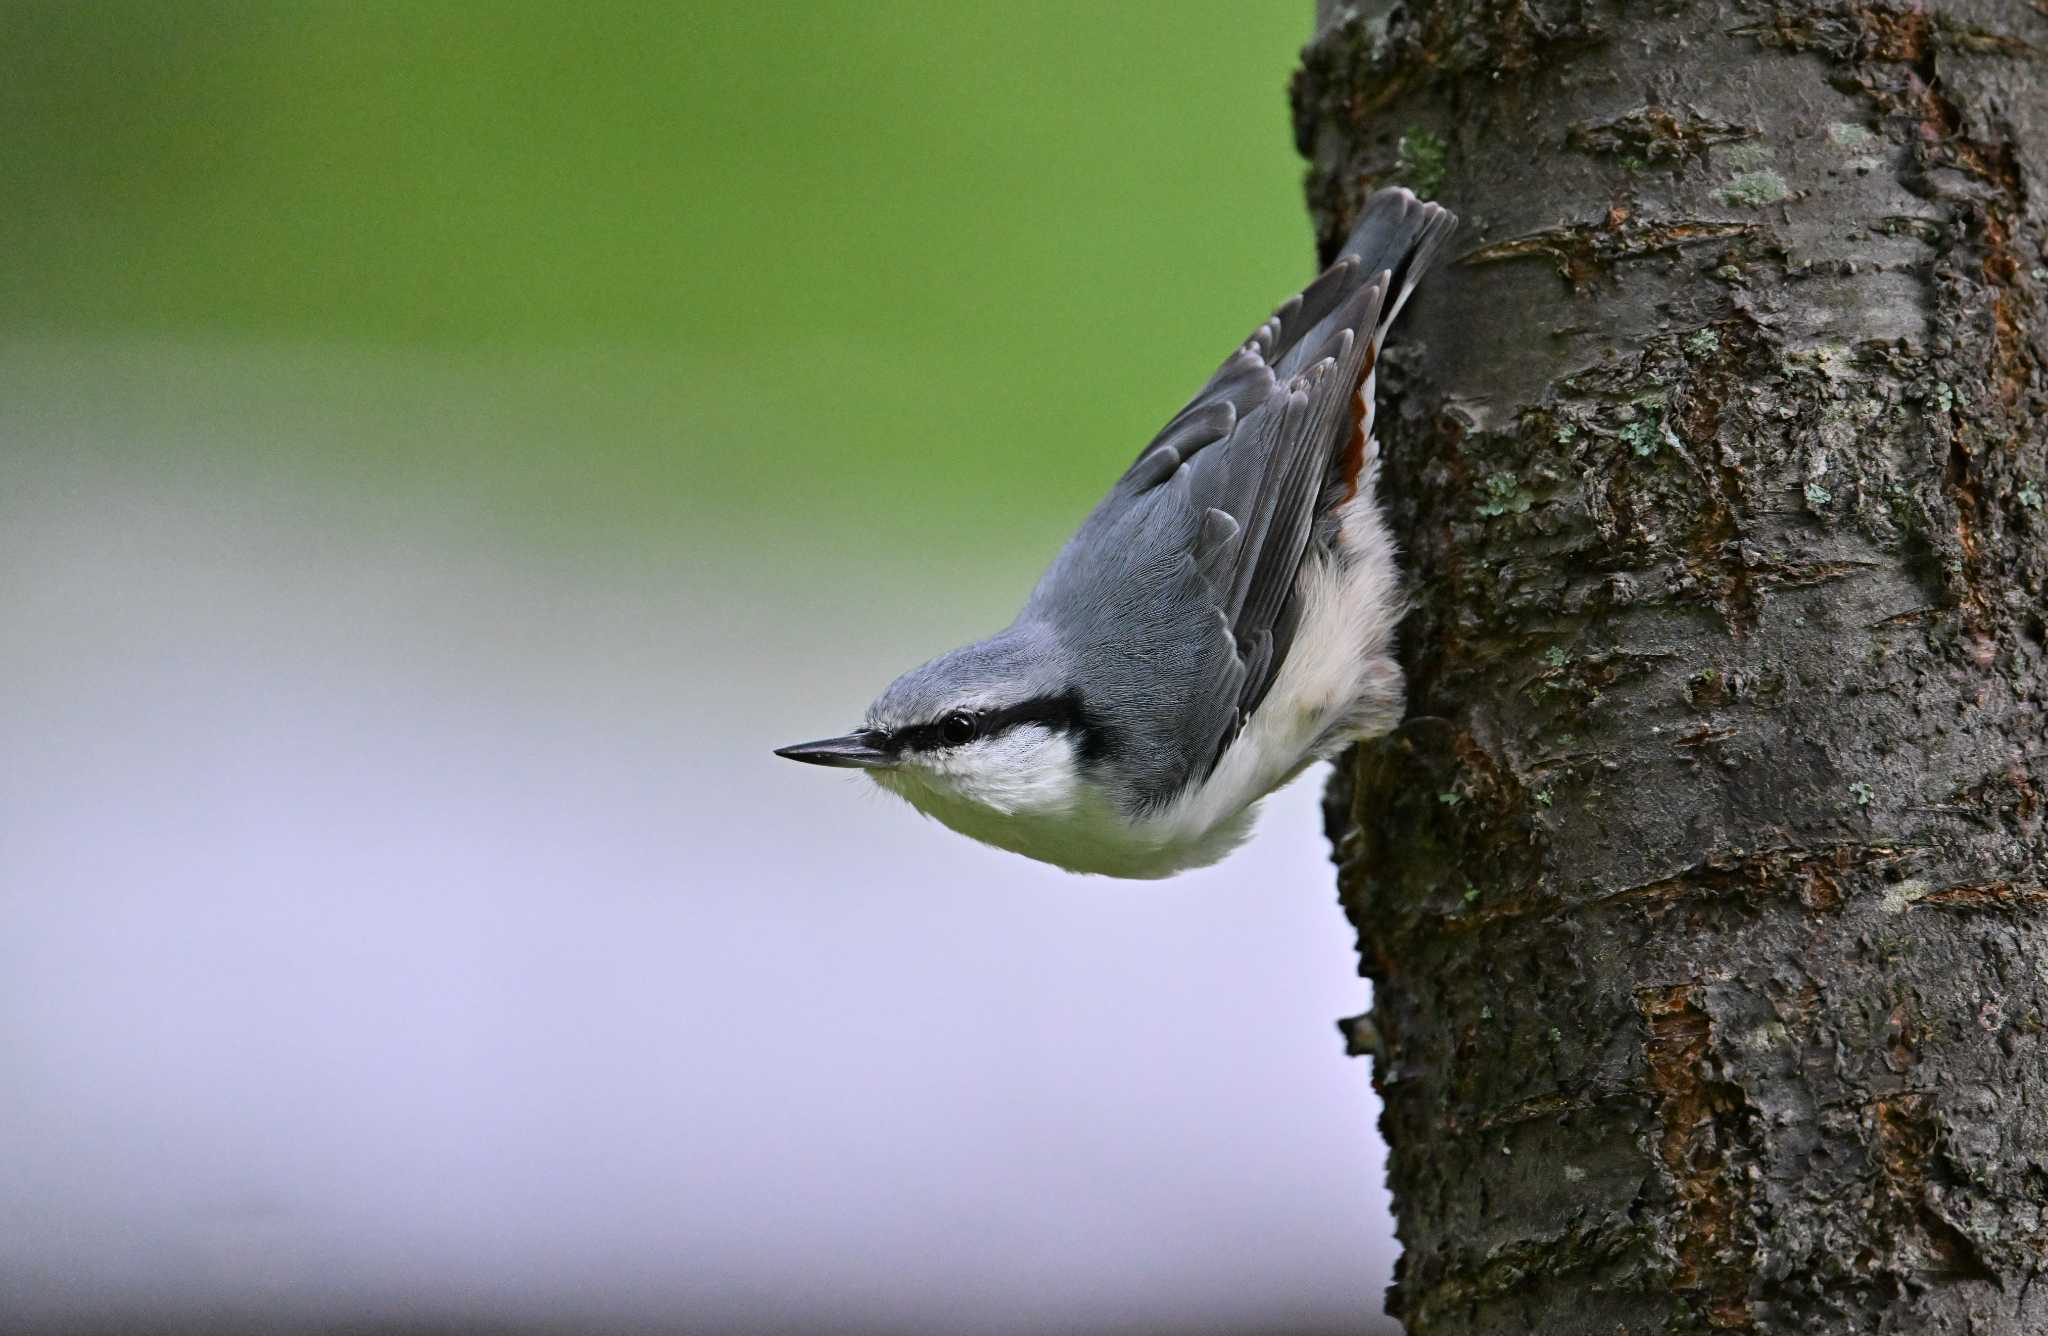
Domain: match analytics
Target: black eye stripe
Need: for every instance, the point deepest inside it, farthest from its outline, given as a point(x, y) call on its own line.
point(1064, 713)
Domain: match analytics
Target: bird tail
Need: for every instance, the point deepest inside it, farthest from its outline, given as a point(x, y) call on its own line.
point(1402, 235)
point(1396, 234)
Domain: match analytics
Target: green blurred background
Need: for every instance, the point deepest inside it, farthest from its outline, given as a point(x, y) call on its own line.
point(443, 448)
point(943, 266)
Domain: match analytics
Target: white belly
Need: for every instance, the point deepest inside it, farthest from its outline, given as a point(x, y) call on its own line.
point(1339, 683)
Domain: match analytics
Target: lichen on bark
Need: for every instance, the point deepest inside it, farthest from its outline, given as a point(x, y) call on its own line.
point(1703, 891)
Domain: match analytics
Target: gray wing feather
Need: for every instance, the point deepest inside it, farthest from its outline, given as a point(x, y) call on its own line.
point(1233, 484)
point(1287, 461)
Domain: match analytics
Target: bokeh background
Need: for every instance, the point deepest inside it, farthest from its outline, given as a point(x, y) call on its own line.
point(443, 447)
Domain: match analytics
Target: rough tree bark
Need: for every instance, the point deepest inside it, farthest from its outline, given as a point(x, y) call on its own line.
point(1702, 892)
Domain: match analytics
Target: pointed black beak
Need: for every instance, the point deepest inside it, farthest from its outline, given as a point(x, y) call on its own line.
point(854, 751)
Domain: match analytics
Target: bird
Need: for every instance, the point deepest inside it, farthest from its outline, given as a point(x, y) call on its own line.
point(1223, 618)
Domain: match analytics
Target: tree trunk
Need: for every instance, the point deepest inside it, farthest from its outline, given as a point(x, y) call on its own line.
point(1702, 891)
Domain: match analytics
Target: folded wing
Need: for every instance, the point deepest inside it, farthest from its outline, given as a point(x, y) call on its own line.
point(1232, 488)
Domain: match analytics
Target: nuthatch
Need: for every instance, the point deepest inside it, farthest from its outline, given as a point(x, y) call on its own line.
point(1224, 617)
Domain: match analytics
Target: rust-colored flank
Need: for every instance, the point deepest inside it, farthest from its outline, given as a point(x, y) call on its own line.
point(1361, 429)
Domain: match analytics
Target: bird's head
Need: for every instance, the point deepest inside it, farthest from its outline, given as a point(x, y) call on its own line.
point(990, 731)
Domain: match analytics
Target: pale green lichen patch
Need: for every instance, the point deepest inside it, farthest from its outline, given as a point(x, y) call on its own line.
point(1504, 496)
point(1850, 136)
point(1644, 427)
point(1745, 157)
point(1900, 898)
point(1423, 160)
point(1817, 495)
point(1703, 342)
point(1753, 190)
point(2030, 496)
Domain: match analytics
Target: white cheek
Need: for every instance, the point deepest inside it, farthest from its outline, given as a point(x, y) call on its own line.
point(1025, 769)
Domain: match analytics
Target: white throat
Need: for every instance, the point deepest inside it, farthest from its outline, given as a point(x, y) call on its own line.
point(1026, 791)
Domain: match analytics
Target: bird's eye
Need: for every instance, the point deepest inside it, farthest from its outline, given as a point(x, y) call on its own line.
point(957, 728)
